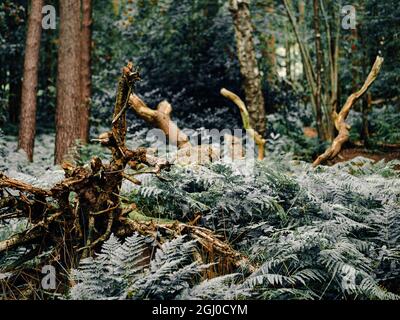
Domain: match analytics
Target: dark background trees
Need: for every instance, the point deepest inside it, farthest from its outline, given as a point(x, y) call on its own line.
point(187, 52)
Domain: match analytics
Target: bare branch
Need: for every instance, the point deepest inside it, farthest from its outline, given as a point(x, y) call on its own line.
point(340, 119)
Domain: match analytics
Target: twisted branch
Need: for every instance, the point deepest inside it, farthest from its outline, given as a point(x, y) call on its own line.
point(340, 119)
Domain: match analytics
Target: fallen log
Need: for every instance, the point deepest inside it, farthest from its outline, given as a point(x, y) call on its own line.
point(161, 118)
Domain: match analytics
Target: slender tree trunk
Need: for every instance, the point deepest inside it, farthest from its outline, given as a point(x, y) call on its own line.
point(305, 55)
point(248, 63)
point(318, 50)
point(27, 126)
point(354, 59)
point(269, 52)
point(332, 95)
point(302, 11)
point(288, 57)
point(68, 78)
point(85, 69)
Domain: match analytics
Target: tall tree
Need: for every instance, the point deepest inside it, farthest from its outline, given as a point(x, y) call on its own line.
point(85, 69)
point(248, 63)
point(68, 78)
point(318, 51)
point(326, 106)
point(269, 51)
point(27, 126)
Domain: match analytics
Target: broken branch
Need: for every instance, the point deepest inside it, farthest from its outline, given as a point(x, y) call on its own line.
point(258, 139)
point(160, 118)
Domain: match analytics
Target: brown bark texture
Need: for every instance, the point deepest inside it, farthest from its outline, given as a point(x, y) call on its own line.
point(68, 79)
point(27, 125)
point(248, 63)
point(318, 49)
point(85, 70)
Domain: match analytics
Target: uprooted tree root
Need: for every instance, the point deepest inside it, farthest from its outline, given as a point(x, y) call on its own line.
point(71, 220)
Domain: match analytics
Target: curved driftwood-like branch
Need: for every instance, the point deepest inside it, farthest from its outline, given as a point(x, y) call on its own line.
point(258, 139)
point(340, 119)
point(160, 118)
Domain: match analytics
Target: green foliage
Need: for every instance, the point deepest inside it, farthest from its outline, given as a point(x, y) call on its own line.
point(383, 123)
point(287, 135)
point(329, 233)
point(12, 34)
point(123, 270)
point(185, 49)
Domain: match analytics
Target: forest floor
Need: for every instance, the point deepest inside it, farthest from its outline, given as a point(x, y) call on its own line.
point(326, 222)
point(377, 155)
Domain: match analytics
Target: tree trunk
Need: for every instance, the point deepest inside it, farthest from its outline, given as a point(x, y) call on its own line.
point(86, 79)
point(248, 63)
point(318, 50)
point(68, 79)
point(29, 85)
point(269, 52)
point(302, 14)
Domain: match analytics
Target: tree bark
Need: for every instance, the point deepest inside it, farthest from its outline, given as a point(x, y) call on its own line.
point(27, 126)
point(248, 63)
point(318, 50)
point(270, 51)
point(85, 69)
point(68, 81)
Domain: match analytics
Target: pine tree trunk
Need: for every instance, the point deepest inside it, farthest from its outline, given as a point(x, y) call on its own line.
point(68, 79)
point(248, 63)
point(318, 49)
point(29, 85)
point(86, 79)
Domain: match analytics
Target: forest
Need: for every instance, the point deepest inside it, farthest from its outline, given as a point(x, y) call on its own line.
point(199, 150)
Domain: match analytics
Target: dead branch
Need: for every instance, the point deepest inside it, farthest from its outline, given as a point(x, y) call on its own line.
point(340, 119)
point(27, 236)
point(6, 182)
point(207, 239)
point(258, 139)
point(160, 118)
